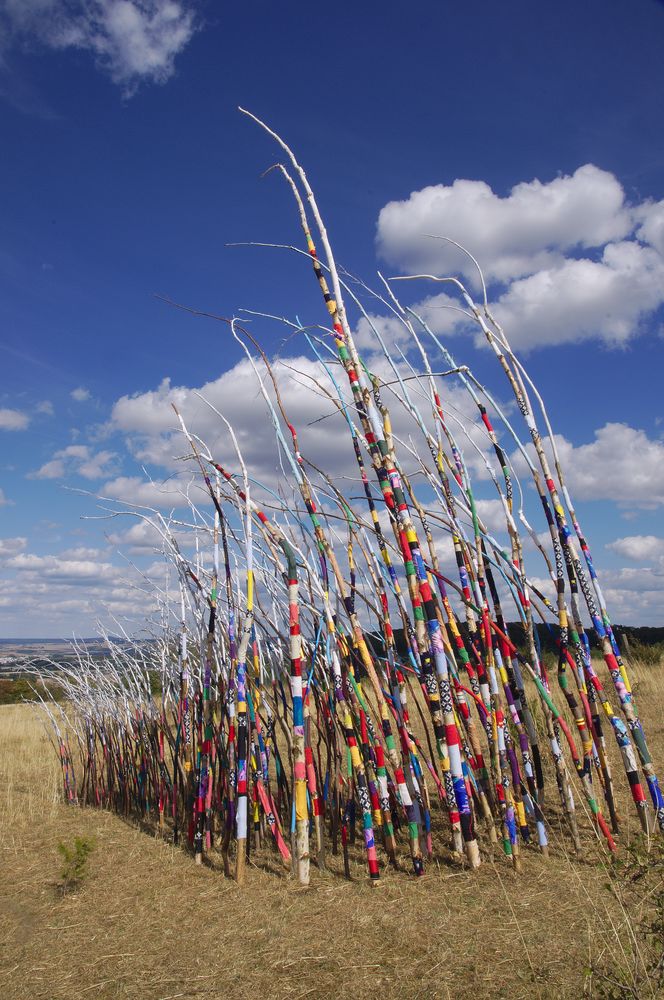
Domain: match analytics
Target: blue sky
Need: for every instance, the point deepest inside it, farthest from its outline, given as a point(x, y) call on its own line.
point(127, 169)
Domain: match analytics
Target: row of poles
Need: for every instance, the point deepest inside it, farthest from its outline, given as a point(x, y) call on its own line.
point(328, 668)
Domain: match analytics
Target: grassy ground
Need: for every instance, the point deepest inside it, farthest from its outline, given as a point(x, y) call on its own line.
point(145, 922)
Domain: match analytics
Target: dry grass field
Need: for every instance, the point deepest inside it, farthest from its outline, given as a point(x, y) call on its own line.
point(145, 922)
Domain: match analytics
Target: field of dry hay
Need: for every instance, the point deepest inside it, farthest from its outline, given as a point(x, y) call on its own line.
point(147, 923)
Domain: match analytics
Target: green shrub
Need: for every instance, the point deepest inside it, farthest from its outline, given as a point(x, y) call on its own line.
point(74, 862)
point(650, 654)
point(14, 691)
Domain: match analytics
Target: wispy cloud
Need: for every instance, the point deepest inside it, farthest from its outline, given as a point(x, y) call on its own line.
point(10, 547)
point(132, 41)
point(77, 459)
point(13, 420)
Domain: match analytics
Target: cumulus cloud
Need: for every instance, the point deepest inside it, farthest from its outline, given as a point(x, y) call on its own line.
point(45, 408)
point(145, 493)
point(80, 395)
point(512, 236)
point(622, 463)
point(652, 224)
point(131, 40)
point(63, 568)
point(13, 420)
point(77, 459)
point(441, 312)
point(149, 424)
point(642, 605)
point(5, 501)
point(568, 260)
point(581, 299)
point(69, 589)
point(633, 581)
point(155, 437)
point(12, 546)
point(637, 594)
point(639, 548)
point(151, 428)
point(141, 538)
point(492, 514)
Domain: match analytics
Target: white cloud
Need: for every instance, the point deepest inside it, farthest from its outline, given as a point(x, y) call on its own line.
point(492, 513)
point(577, 300)
point(55, 469)
point(633, 580)
point(643, 605)
point(142, 492)
point(652, 224)
point(636, 594)
point(640, 548)
point(45, 407)
point(141, 538)
point(568, 260)
point(4, 501)
point(132, 40)
point(440, 312)
point(622, 463)
point(97, 465)
point(82, 552)
point(72, 567)
point(69, 590)
point(64, 569)
point(13, 420)
point(12, 546)
point(511, 236)
point(77, 459)
point(154, 436)
point(80, 395)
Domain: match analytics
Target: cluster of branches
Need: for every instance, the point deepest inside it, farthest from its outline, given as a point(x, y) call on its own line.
point(285, 696)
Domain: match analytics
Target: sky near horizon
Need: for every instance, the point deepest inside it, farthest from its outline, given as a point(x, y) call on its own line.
point(531, 133)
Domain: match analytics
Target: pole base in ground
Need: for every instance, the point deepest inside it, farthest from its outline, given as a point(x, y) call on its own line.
point(473, 854)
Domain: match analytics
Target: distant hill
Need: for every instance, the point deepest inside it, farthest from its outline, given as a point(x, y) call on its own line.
point(50, 644)
point(643, 635)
